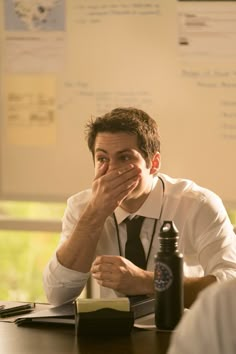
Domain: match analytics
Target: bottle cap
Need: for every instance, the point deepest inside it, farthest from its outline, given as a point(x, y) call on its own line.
point(168, 229)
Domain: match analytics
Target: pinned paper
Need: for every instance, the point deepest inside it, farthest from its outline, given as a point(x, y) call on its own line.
point(30, 109)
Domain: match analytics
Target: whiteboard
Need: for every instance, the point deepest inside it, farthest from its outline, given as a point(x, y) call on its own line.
point(173, 59)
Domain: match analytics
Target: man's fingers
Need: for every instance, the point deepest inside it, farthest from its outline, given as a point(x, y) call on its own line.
point(104, 267)
point(119, 175)
point(102, 275)
point(102, 170)
point(107, 259)
point(125, 173)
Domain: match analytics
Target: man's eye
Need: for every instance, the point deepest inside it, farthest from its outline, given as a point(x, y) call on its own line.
point(102, 159)
point(125, 158)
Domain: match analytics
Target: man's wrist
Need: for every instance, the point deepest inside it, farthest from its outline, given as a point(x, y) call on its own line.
point(149, 283)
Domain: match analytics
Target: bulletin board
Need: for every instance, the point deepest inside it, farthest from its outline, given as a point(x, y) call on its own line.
point(66, 61)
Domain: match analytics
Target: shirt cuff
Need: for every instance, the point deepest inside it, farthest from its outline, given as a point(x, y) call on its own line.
point(223, 275)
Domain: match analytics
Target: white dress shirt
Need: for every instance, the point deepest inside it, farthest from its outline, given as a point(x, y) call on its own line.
point(206, 237)
point(209, 326)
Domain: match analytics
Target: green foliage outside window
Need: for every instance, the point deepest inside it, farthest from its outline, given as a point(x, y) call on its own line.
point(23, 258)
point(24, 254)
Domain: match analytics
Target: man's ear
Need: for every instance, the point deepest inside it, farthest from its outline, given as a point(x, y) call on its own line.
point(155, 163)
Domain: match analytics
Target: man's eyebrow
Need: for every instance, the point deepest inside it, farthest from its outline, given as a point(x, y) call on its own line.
point(125, 150)
point(118, 152)
point(101, 150)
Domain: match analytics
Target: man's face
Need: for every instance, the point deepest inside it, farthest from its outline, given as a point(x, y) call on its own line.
point(119, 150)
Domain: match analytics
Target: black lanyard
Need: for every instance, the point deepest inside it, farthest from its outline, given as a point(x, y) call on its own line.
point(153, 230)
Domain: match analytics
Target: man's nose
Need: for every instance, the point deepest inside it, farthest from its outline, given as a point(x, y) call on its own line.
point(113, 165)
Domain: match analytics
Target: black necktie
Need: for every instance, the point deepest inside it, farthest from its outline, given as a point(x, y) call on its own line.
point(134, 249)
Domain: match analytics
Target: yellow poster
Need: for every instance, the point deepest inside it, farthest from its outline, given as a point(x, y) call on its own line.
point(30, 109)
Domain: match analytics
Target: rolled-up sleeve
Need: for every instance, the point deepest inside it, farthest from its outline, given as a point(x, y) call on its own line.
point(62, 284)
point(216, 241)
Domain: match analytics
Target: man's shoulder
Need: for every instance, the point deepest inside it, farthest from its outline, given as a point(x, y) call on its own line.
point(80, 198)
point(178, 182)
point(186, 187)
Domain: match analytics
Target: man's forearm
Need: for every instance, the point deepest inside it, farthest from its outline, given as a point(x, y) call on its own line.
point(193, 286)
point(78, 251)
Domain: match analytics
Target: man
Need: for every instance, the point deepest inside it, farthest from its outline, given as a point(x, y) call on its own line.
point(210, 325)
point(125, 147)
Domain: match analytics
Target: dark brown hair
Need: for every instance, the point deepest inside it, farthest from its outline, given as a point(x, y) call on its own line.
point(129, 120)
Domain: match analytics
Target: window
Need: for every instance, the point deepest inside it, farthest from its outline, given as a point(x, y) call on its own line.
point(29, 233)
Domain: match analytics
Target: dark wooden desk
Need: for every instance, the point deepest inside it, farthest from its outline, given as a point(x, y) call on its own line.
point(51, 339)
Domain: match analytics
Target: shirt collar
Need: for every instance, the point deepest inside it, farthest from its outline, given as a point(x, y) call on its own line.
point(152, 206)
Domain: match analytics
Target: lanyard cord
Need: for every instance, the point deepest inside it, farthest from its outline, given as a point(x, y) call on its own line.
point(153, 230)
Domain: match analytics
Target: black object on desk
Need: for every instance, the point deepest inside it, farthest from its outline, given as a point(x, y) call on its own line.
point(110, 321)
point(9, 309)
point(168, 279)
point(142, 305)
point(49, 315)
point(103, 316)
point(104, 322)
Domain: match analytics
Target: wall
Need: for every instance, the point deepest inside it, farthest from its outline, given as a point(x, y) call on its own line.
point(174, 59)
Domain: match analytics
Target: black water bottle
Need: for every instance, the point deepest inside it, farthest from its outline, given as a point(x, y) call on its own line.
point(168, 279)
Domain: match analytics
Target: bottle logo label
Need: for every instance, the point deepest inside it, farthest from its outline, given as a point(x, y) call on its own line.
point(163, 277)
